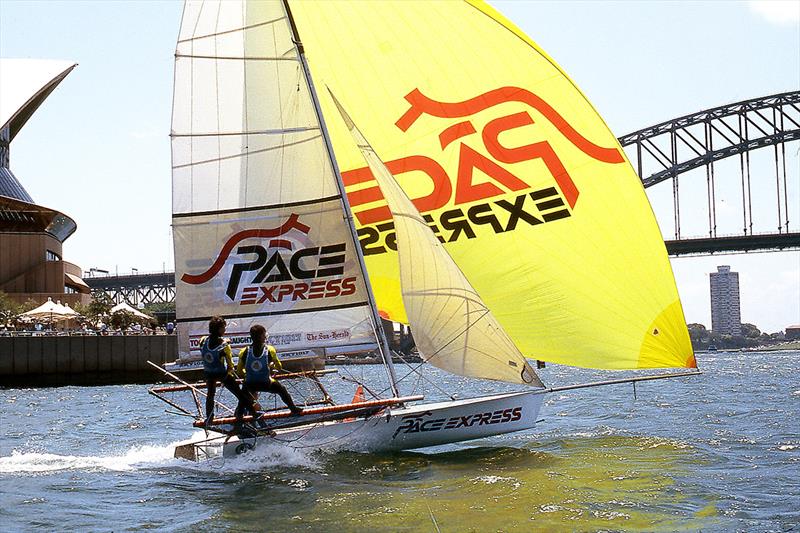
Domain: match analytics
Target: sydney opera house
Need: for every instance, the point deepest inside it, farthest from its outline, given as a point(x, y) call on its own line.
point(31, 236)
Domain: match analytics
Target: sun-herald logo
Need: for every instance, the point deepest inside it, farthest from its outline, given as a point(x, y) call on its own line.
point(503, 203)
point(283, 342)
point(419, 423)
point(278, 272)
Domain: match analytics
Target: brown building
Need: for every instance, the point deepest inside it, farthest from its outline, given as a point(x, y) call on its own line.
point(31, 236)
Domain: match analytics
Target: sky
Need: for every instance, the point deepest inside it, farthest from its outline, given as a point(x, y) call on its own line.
point(98, 148)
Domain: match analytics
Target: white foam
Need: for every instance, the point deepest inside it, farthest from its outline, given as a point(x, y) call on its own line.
point(491, 480)
point(267, 455)
point(136, 457)
point(264, 456)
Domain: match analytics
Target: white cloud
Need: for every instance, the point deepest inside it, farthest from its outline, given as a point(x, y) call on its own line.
point(780, 12)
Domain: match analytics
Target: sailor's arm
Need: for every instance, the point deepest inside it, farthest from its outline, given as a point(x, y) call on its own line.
point(273, 358)
point(240, 366)
point(229, 359)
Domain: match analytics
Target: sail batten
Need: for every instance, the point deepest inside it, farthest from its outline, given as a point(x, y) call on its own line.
point(256, 132)
point(238, 58)
point(232, 30)
point(283, 312)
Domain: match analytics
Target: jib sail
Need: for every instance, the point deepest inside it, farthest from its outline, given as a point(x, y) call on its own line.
point(453, 328)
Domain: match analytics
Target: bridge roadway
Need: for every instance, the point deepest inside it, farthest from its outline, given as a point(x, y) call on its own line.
point(733, 243)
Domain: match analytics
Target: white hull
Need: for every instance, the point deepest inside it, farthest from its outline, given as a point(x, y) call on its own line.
point(408, 428)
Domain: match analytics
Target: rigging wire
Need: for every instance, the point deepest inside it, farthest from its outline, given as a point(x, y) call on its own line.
point(415, 370)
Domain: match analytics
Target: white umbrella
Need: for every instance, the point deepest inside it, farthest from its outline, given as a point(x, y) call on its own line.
point(48, 312)
point(127, 308)
point(66, 311)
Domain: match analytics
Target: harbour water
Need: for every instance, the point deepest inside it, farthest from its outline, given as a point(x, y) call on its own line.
point(716, 452)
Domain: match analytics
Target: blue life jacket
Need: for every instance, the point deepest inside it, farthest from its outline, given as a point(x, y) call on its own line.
point(213, 358)
point(257, 367)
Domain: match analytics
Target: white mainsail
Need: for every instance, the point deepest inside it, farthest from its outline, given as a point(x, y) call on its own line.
point(453, 328)
point(258, 220)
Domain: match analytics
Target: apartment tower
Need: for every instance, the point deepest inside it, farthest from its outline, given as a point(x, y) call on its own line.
point(726, 318)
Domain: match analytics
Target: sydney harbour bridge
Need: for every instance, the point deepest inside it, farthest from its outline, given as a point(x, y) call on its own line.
point(718, 162)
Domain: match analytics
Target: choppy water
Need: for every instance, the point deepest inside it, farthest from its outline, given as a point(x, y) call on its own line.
point(716, 452)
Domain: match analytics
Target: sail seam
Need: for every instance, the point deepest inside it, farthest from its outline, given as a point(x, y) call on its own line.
point(285, 312)
point(258, 207)
point(240, 58)
point(244, 154)
point(234, 30)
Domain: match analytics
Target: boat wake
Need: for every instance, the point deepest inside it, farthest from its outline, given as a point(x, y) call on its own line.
point(144, 457)
point(133, 459)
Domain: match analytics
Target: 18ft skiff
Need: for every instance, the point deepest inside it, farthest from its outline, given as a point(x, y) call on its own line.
point(501, 220)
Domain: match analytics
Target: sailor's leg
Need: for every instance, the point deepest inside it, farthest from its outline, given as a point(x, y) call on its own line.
point(245, 402)
point(230, 383)
point(251, 395)
point(277, 387)
point(211, 389)
point(250, 390)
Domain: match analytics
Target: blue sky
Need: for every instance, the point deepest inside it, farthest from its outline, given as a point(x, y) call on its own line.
point(98, 149)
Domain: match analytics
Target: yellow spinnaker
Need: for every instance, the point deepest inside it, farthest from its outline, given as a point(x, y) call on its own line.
point(516, 172)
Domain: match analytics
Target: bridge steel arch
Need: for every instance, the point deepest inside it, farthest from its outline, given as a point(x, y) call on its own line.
point(667, 150)
point(136, 289)
point(673, 147)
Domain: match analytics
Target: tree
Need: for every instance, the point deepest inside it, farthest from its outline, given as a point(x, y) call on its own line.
point(698, 334)
point(159, 307)
point(99, 308)
point(749, 331)
point(122, 320)
point(29, 305)
point(161, 311)
point(9, 309)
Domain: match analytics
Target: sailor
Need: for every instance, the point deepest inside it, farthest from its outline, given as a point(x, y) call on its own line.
point(218, 365)
point(256, 363)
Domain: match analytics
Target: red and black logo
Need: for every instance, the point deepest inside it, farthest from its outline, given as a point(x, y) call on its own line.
point(476, 203)
point(281, 273)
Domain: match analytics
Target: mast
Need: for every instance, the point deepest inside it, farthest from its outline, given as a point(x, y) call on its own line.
point(383, 343)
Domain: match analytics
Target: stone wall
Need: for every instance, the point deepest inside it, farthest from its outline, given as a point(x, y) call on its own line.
point(83, 360)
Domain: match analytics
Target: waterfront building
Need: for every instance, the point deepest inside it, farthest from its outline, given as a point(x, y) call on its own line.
point(31, 235)
point(726, 318)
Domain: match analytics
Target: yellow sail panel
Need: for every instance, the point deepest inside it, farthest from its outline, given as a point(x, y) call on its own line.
point(511, 167)
point(453, 328)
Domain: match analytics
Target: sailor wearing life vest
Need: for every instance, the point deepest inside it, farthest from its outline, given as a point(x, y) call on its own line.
point(255, 362)
point(218, 365)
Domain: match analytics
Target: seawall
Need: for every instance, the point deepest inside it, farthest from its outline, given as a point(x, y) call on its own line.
point(83, 360)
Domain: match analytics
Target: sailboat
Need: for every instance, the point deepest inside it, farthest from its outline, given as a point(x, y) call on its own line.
point(336, 163)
